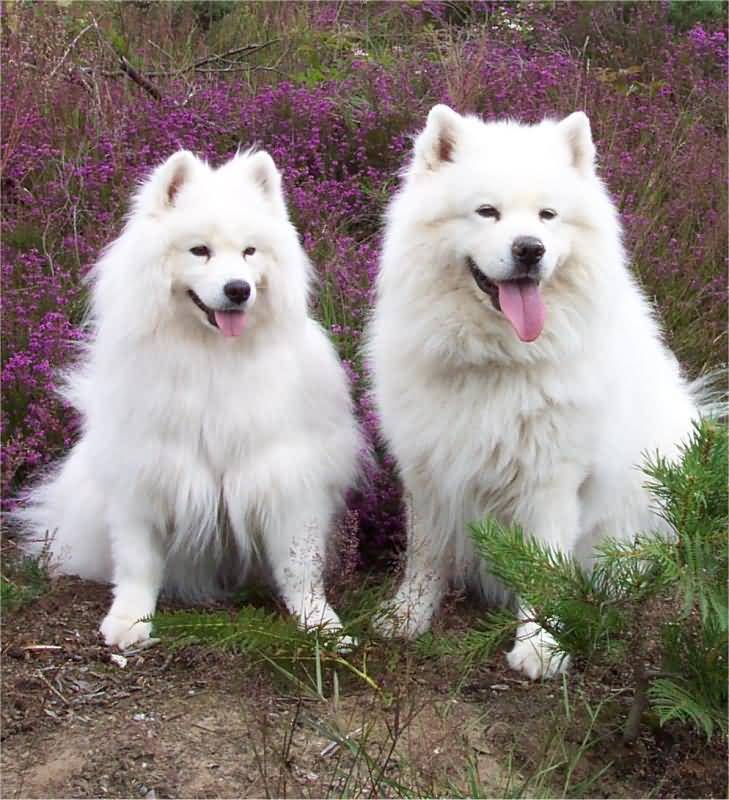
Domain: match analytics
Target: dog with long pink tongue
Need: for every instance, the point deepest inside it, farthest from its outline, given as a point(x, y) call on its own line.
point(517, 369)
point(247, 445)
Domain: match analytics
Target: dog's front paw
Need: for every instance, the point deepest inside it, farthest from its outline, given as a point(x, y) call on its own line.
point(122, 631)
point(319, 615)
point(535, 653)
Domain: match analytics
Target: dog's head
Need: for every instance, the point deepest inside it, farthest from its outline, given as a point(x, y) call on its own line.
point(508, 202)
point(227, 249)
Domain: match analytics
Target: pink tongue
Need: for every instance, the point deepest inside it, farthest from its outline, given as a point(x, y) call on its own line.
point(231, 323)
point(523, 306)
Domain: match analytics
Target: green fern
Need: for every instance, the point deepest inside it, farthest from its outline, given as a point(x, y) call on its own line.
point(693, 686)
point(251, 629)
point(302, 657)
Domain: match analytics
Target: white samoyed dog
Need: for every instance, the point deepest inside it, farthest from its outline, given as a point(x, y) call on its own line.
point(216, 418)
point(517, 367)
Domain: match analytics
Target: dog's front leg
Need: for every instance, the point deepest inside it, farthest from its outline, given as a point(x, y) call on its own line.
point(552, 517)
point(295, 544)
point(138, 563)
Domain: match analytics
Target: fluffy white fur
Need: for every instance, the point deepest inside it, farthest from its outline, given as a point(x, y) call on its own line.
point(548, 433)
point(200, 451)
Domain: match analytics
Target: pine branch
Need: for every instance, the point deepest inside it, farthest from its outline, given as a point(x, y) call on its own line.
point(624, 602)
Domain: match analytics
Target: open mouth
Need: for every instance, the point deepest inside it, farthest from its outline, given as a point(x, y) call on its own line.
point(485, 284)
point(229, 322)
point(519, 300)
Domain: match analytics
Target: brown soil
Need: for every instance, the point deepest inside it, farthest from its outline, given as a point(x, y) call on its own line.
point(193, 723)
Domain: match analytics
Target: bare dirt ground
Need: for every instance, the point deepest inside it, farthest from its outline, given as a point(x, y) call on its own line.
point(195, 723)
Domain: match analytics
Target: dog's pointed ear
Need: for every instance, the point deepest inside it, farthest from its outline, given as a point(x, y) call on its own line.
point(160, 192)
point(576, 131)
point(267, 178)
point(437, 143)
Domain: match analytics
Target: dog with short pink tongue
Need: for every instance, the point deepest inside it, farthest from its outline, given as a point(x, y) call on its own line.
point(517, 367)
point(217, 430)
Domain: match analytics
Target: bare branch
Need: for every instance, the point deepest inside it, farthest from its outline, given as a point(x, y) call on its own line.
point(126, 67)
point(195, 66)
point(246, 49)
point(69, 48)
point(229, 61)
point(237, 68)
point(138, 78)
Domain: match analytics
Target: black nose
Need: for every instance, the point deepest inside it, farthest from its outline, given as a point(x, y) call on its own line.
point(527, 250)
point(237, 291)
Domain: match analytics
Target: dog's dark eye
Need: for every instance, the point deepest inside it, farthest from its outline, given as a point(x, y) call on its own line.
point(547, 213)
point(489, 212)
point(200, 250)
point(249, 251)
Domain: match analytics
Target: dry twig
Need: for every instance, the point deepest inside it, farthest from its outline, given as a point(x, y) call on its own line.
point(69, 49)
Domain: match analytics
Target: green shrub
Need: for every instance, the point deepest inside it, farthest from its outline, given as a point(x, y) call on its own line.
point(22, 582)
point(658, 605)
point(686, 13)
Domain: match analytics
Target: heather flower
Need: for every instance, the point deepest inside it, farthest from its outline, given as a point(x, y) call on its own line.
point(656, 99)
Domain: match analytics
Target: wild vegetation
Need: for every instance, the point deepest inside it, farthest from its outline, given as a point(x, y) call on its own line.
point(656, 606)
point(94, 94)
